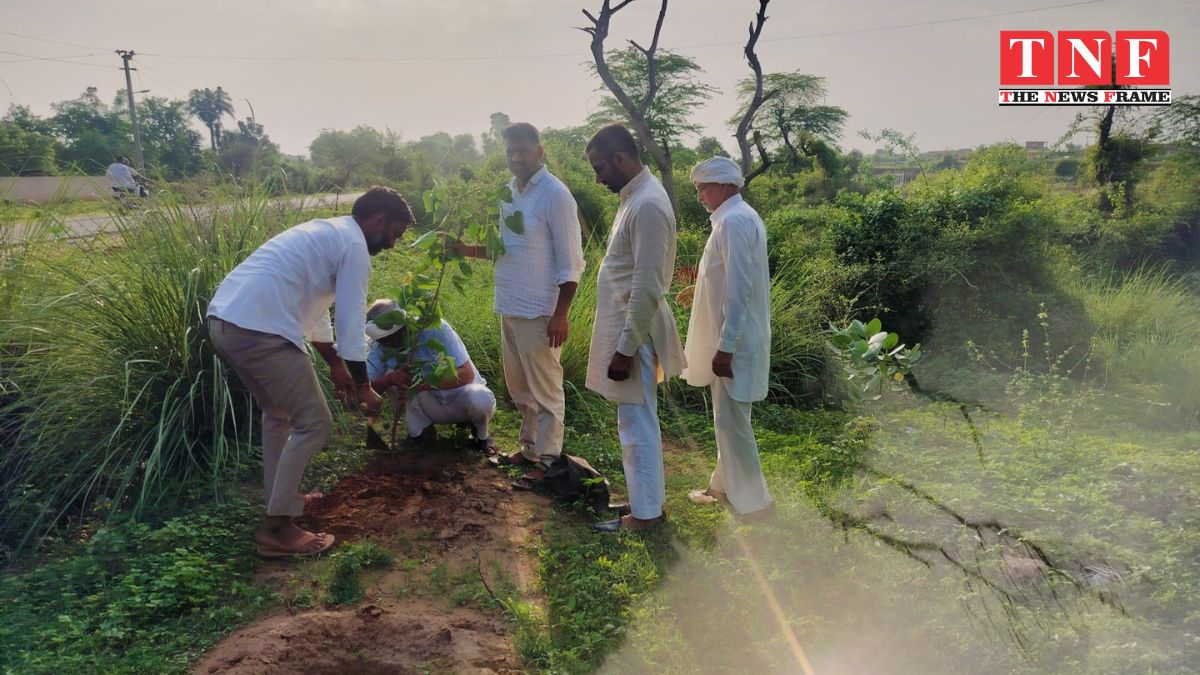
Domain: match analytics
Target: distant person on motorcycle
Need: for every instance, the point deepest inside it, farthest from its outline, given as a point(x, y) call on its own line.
point(125, 180)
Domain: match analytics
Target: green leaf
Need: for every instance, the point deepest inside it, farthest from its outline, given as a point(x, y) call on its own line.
point(504, 194)
point(426, 240)
point(891, 340)
point(515, 221)
point(465, 268)
point(874, 327)
point(428, 199)
point(857, 328)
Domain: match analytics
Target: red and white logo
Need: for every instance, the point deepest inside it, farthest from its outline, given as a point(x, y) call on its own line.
point(1142, 58)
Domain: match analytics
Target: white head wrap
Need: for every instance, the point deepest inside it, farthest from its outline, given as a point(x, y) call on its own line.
point(376, 333)
point(718, 170)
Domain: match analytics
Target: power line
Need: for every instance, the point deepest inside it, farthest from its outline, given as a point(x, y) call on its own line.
point(56, 42)
point(55, 59)
point(898, 26)
point(43, 58)
point(501, 57)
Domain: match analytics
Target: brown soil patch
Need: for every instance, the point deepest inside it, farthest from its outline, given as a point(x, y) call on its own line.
point(455, 510)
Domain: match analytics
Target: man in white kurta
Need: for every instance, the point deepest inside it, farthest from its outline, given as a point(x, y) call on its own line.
point(635, 344)
point(729, 334)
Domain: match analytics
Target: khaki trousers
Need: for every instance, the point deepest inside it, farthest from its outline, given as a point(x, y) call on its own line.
point(295, 418)
point(534, 378)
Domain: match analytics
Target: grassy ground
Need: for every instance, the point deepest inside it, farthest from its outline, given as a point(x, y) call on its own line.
point(12, 212)
point(1055, 532)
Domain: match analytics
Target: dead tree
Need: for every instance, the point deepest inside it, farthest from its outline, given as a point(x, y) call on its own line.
point(760, 97)
point(637, 112)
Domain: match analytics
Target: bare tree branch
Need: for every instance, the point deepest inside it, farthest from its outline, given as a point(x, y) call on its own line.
point(743, 128)
point(637, 111)
point(764, 163)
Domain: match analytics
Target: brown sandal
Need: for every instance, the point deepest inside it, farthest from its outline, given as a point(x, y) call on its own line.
point(511, 459)
point(532, 479)
point(326, 542)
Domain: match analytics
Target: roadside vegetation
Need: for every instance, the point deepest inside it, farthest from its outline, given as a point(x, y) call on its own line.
point(1023, 500)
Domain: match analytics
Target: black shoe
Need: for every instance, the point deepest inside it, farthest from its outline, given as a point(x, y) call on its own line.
point(487, 446)
point(635, 524)
point(608, 526)
point(426, 437)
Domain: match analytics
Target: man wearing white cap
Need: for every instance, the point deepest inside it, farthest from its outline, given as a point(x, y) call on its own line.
point(728, 344)
point(464, 398)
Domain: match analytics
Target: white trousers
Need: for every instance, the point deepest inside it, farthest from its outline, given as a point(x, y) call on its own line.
point(641, 442)
point(473, 403)
point(738, 474)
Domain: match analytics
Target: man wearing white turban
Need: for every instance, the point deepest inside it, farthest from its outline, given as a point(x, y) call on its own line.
point(728, 344)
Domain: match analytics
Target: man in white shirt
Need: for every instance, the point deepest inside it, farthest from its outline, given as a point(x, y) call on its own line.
point(536, 279)
point(258, 320)
point(635, 344)
point(123, 179)
point(729, 334)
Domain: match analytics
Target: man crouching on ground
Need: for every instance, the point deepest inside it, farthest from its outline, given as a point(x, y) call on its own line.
point(462, 399)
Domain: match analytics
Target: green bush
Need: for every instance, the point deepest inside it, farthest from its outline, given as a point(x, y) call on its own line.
point(117, 399)
point(134, 598)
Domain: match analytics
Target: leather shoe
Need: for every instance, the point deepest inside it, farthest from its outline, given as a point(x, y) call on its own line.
point(628, 523)
point(610, 526)
point(621, 508)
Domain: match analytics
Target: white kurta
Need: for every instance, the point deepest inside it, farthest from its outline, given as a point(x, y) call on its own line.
point(731, 309)
point(631, 290)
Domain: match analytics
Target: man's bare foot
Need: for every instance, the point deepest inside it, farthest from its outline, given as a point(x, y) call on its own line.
point(278, 536)
point(708, 496)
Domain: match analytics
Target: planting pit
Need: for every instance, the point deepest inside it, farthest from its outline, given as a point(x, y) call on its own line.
point(441, 512)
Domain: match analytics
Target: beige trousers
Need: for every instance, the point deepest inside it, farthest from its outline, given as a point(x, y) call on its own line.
point(534, 378)
point(295, 418)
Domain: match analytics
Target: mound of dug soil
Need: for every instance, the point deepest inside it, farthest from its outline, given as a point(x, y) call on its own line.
point(463, 513)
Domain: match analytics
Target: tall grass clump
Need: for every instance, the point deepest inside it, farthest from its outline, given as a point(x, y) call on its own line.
point(117, 400)
point(1147, 336)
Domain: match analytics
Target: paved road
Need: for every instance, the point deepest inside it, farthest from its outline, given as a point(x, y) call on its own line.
point(95, 223)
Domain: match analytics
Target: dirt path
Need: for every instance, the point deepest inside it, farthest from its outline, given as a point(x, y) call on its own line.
point(448, 510)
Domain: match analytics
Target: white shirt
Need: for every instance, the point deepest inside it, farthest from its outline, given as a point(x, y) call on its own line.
point(548, 254)
point(631, 289)
point(121, 176)
point(285, 287)
point(731, 310)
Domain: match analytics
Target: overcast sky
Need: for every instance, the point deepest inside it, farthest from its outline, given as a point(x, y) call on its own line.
point(419, 66)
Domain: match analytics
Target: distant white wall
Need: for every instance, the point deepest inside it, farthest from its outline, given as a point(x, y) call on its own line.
point(42, 189)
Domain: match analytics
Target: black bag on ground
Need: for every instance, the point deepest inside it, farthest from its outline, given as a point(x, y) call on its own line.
point(572, 478)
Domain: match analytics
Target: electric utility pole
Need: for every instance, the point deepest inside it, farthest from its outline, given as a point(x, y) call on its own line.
point(126, 56)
